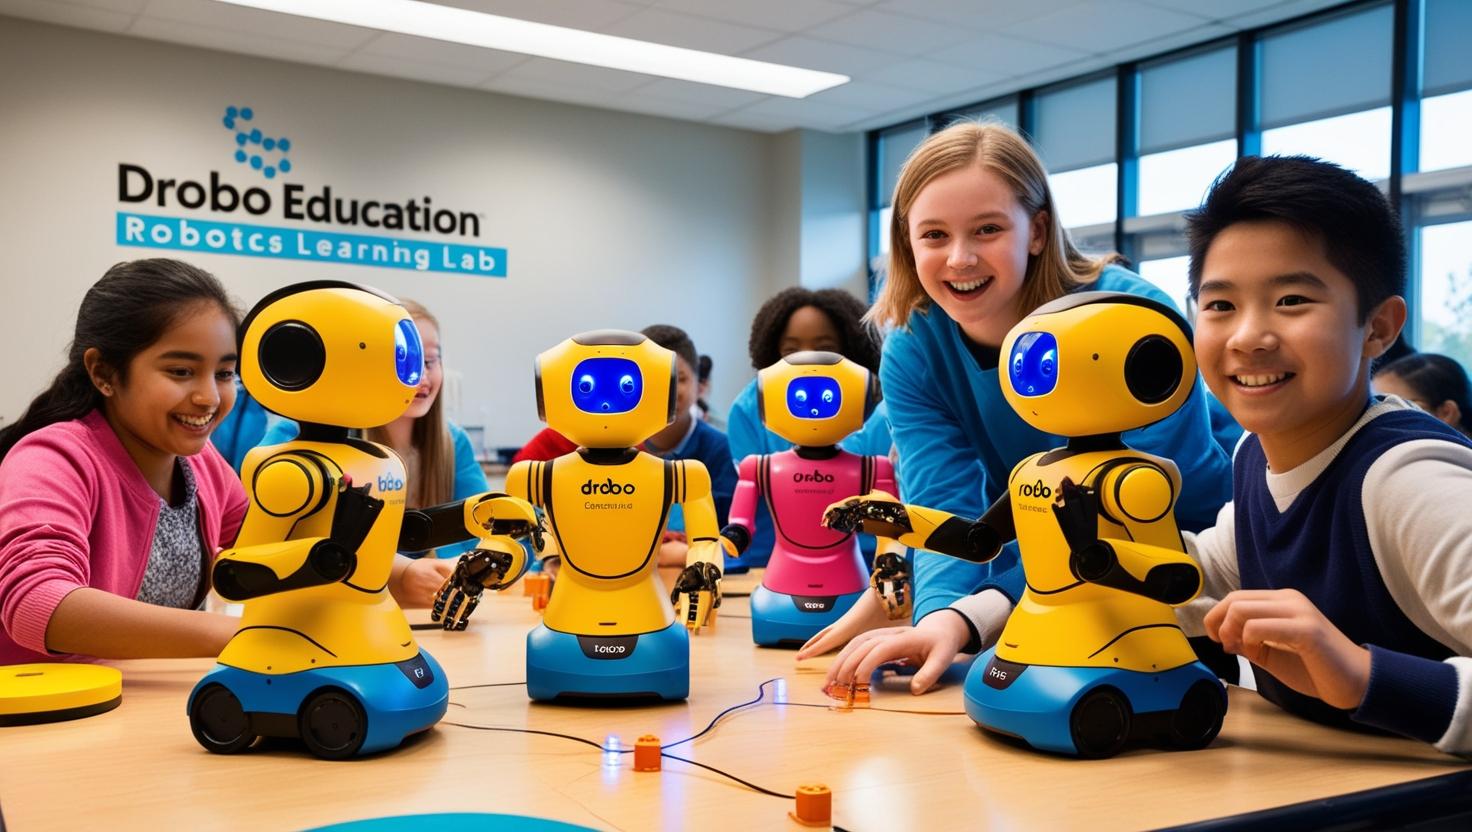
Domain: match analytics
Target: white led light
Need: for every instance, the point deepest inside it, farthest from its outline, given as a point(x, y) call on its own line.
point(428, 20)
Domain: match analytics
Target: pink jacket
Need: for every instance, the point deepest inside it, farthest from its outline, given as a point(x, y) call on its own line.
point(75, 511)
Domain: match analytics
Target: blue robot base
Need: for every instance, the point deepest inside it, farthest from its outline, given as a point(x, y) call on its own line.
point(566, 665)
point(338, 712)
point(778, 619)
point(1093, 711)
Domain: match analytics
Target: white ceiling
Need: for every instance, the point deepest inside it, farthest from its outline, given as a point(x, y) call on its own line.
point(906, 57)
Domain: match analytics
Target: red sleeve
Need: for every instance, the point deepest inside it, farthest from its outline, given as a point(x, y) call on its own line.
point(547, 444)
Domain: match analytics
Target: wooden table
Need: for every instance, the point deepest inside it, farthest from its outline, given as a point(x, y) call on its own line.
point(138, 767)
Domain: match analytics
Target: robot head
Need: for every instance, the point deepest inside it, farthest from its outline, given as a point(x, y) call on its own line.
point(815, 398)
point(1097, 362)
point(332, 353)
point(606, 389)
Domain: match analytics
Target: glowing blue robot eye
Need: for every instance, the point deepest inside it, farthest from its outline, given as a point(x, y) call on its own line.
point(408, 353)
point(814, 397)
point(606, 385)
point(1034, 364)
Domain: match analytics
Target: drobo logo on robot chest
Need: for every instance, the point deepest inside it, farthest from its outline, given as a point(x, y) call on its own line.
point(390, 482)
point(814, 477)
point(608, 486)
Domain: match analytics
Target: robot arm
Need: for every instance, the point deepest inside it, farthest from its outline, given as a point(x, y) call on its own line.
point(252, 571)
point(496, 562)
point(883, 516)
point(1155, 572)
point(891, 578)
point(736, 535)
point(697, 591)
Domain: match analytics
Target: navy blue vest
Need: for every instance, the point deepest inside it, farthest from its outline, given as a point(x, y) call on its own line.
point(1320, 547)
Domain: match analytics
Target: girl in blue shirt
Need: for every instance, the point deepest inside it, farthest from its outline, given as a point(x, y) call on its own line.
point(437, 454)
point(976, 245)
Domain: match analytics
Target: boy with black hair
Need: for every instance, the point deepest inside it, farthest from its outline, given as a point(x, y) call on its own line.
point(1344, 561)
point(688, 437)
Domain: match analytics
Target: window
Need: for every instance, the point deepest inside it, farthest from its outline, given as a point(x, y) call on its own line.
point(1326, 91)
point(1446, 85)
point(1004, 111)
point(1446, 290)
point(1187, 128)
point(893, 147)
point(1170, 275)
point(1075, 136)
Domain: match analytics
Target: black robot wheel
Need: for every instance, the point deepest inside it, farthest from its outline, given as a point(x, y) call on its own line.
point(1196, 722)
point(1100, 723)
point(219, 722)
point(332, 724)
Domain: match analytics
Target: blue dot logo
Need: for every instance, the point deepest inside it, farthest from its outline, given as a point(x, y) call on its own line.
point(269, 157)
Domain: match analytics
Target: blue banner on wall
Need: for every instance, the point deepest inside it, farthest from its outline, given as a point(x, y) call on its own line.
point(181, 234)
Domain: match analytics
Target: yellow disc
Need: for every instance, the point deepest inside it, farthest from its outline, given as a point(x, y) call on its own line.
point(34, 693)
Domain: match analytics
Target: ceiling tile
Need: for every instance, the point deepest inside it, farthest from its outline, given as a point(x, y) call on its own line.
point(905, 34)
point(979, 15)
point(1281, 11)
point(1103, 26)
point(1006, 55)
point(565, 74)
point(787, 15)
point(809, 113)
point(589, 15)
point(691, 32)
point(434, 73)
point(821, 54)
point(237, 19)
point(1216, 9)
point(245, 43)
point(67, 14)
point(427, 51)
point(934, 77)
point(869, 96)
point(687, 110)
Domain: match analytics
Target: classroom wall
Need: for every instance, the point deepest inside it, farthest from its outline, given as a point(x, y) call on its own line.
point(606, 219)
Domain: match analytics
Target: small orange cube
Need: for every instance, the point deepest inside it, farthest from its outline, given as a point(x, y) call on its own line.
point(814, 806)
point(647, 753)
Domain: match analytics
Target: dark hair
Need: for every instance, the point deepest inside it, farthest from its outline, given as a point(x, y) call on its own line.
point(124, 313)
point(703, 371)
point(1360, 231)
point(675, 340)
point(1436, 379)
point(845, 311)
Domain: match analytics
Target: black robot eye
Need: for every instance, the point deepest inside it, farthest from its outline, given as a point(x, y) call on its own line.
point(626, 385)
point(585, 384)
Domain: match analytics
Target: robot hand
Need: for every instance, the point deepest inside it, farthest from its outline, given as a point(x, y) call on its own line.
point(891, 581)
point(1077, 511)
point(494, 564)
point(1096, 561)
point(509, 517)
point(875, 513)
point(697, 595)
point(353, 516)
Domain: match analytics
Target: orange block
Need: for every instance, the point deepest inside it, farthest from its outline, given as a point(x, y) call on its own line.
point(814, 806)
point(646, 753)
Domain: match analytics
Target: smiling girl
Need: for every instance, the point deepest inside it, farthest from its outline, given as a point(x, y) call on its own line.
point(114, 502)
point(977, 246)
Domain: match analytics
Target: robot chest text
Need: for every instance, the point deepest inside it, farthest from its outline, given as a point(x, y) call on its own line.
point(608, 519)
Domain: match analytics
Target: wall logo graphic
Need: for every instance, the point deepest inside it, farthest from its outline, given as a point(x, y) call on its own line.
point(302, 204)
point(253, 147)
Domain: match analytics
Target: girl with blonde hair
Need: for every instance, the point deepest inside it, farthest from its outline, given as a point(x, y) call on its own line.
point(976, 245)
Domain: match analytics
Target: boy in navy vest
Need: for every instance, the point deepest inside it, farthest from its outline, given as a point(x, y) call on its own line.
point(1344, 561)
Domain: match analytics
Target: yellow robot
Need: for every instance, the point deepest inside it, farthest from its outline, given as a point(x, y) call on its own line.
point(608, 630)
point(1092, 657)
point(323, 653)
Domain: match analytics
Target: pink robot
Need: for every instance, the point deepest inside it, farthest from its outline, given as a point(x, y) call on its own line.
point(813, 400)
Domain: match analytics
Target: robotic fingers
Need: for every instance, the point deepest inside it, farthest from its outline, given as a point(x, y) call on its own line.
point(503, 515)
point(697, 595)
point(891, 580)
point(495, 564)
point(875, 513)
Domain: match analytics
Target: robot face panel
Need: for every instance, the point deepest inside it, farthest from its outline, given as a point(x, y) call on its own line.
point(815, 398)
point(1033, 367)
point(331, 353)
point(1098, 362)
point(606, 385)
point(606, 389)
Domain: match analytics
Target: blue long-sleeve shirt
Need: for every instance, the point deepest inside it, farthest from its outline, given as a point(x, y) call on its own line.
point(958, 441)
point(469, 479)
point(749, 436)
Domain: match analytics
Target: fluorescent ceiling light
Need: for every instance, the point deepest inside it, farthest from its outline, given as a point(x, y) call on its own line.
point(428, 20)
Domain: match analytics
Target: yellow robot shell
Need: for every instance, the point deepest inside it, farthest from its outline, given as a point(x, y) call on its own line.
point(656, 407)
point(858, 388)
point(1124, 361)
point(324, 352)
